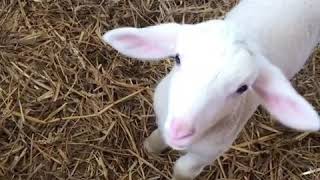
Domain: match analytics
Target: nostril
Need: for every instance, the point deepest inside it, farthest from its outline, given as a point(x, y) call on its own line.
point(181, 129)
point(185, 134)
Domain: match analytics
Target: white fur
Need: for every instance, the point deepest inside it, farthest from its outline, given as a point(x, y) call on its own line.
point(260, 43)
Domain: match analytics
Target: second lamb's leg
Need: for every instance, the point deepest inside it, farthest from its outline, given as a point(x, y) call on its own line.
point(155, 143)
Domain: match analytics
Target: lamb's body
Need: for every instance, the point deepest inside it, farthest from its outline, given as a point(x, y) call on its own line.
point(227, 69)
point(286, 31)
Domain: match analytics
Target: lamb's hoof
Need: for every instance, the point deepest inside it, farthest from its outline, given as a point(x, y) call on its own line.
point(147, 146)
point(151, 149)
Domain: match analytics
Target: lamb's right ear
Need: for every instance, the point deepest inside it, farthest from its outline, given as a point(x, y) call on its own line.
point(148, 43)
point(283, 101)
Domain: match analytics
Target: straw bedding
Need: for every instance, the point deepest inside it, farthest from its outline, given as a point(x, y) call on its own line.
point(72, 108)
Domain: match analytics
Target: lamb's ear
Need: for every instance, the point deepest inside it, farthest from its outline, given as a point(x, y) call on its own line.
point(283, 101)
point(148, 43)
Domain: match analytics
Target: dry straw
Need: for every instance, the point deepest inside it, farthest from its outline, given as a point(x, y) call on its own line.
point(72, 108)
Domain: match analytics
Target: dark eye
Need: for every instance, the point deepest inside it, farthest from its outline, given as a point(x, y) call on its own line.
point(177, 59)
point(242, 89)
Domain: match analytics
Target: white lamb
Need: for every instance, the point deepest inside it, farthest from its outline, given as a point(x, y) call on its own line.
point(224, 70)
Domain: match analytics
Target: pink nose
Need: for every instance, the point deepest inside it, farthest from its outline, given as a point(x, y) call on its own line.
point(180, 129)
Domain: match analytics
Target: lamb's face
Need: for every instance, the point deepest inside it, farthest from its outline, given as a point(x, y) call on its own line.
point(212, 76)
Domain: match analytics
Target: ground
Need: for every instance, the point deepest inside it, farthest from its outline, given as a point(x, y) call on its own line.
point(72, 108)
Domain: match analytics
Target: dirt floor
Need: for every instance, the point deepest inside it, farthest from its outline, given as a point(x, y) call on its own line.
point(73, 108)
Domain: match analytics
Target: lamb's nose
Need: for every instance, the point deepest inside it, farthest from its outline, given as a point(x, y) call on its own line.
point(181, 129)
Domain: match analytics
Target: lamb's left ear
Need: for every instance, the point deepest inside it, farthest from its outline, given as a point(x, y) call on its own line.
point(148, 43)
point(283, 101)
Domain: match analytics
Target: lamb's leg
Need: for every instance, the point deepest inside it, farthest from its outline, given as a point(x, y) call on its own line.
point(155, 143)
point(189, 166)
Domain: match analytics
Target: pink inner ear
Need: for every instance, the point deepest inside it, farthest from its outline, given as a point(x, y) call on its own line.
point(283, 105)
point(134, 42)
point(280, 105)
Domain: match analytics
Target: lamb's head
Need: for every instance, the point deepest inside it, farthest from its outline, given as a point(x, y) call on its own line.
point(215, 68)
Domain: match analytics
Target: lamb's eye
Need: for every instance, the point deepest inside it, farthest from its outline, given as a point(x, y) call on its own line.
point(242, 89)
point(177, 59)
